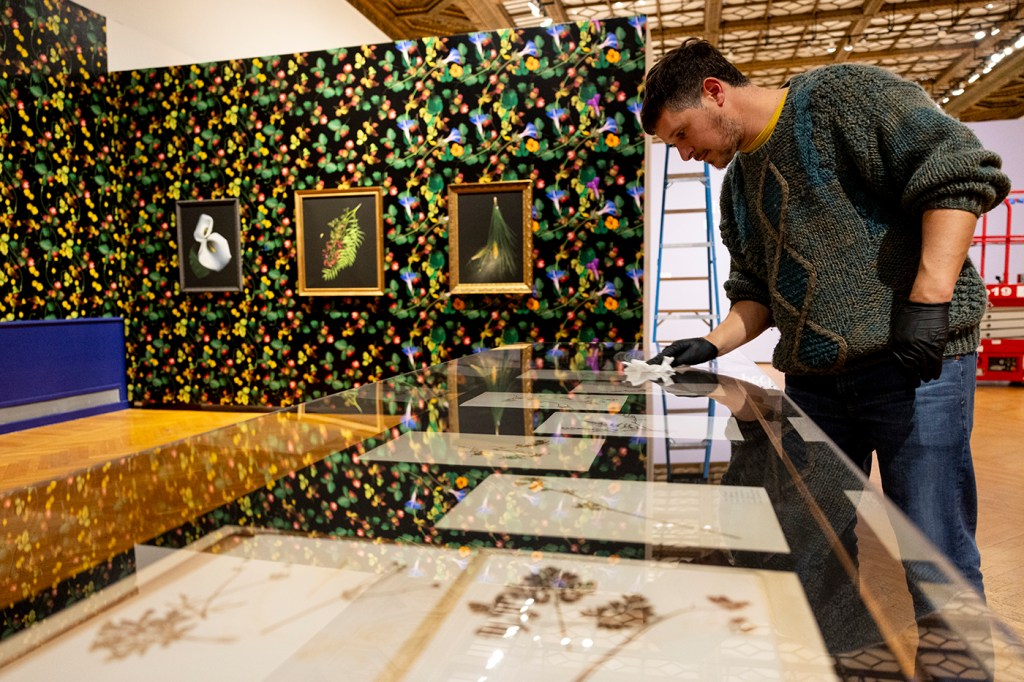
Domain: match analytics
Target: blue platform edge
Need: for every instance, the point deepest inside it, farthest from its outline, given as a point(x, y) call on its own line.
point(43, 360)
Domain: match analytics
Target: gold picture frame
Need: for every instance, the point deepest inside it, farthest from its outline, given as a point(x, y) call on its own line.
point(490, 237)
point(340, 238)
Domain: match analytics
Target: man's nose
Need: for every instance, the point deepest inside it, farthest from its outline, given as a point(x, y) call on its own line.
point(685, 152)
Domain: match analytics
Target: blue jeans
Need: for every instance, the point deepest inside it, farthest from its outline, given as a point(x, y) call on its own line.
point(922, 435)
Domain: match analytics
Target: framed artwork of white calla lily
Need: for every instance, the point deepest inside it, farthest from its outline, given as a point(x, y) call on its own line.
point(490, 237)
point(209, 245)
point(340, 241)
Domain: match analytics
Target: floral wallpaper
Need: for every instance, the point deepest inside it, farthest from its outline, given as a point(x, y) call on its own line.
point(63, 243)
point(102, 160)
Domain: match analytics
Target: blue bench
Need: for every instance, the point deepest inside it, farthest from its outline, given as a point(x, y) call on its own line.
point(55, 370)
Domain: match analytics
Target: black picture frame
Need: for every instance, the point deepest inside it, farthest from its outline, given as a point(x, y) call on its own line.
point(209, 245)
point(490, 237)
point(344, 225)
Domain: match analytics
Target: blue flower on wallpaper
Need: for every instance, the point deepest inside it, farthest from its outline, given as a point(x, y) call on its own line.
point(407, 201)
point(480, 39)
point(635, 274)
point(637, 192)
point(405, 47)
point(556, 114)
point(556, 196)
point(407, 125)
point(480, 119)
point(610, 126)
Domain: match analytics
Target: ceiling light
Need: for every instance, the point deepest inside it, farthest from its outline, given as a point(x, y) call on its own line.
point(848, 47)
point(974, 77)
point(534, 8)
point(979, 35)
point(546, 22)
point(831, 49)
point(994, 31)
point(945, 100)
point(957, 92)
point(619, 5)
point(1020, 43)
point(989, 6)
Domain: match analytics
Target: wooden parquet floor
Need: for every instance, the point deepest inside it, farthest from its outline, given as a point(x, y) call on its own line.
point(57, 450)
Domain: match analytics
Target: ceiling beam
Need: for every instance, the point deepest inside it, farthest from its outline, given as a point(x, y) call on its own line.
point(857, 27)
point(1007, 70)
point(806, 62)
point(986, 46)
point(486, 15)
point(813, 18)
point(378, 13)
point(712, 21)
point(556, 10)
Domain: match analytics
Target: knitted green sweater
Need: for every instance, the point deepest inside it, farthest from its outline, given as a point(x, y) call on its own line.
point(823, 221)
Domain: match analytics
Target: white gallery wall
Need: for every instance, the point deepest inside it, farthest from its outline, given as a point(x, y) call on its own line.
point(143, 34)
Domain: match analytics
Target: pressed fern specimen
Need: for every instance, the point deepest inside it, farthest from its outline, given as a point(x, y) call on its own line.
point(344, 241)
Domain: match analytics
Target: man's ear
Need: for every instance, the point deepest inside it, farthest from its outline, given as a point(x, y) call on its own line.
point(715, 89)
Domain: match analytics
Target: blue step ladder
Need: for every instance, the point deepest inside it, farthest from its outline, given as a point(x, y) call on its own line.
point(686, 282)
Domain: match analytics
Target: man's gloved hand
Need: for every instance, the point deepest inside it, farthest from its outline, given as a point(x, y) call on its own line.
point(919, 332)
point(687, 352)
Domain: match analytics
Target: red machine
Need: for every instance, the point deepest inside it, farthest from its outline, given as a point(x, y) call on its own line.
point(1001, 356)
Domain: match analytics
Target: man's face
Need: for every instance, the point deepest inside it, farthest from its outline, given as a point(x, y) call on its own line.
point(704, 133)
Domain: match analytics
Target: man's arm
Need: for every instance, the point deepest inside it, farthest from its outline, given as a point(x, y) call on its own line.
point(946, 236)
point(920, 326)
point(746, 321)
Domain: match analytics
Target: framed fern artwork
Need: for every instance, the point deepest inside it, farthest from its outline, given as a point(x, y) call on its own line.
point(209, 257)
point(340, 241)
point(490, 238)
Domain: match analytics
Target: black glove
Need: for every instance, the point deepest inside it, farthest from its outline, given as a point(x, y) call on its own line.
point(919, 332)
point(687, 352)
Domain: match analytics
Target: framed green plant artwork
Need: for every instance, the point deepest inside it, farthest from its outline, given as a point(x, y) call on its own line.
point(209, 253)
point(490, 237)
point(340, 241)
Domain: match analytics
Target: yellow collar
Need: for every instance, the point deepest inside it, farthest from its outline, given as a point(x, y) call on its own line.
point(767, 131)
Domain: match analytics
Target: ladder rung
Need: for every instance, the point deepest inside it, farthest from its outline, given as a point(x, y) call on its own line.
point(683, 279)
point(683, 310)
point(695, 446)
point(680, 316)
point(681, 211)
point(691, 410)
point(685, 176)
point(687, 245)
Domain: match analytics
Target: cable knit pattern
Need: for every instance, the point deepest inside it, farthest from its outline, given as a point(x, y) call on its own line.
point(823, 222)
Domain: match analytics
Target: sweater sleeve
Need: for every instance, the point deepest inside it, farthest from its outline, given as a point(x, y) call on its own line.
point(743, 284)
point(903, 146)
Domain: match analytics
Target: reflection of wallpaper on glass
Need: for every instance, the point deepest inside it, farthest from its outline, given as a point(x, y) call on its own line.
point(616, 388)
point(681, 426)
point(541, 617)
point(547, 401)
point(468, 449)
point(574, 374)
point(663, 514)
point(241, 612)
